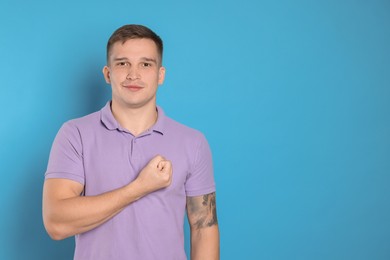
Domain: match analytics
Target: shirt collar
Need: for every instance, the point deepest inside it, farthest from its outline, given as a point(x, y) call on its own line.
point(109, 121)
point(107, 117)
point(159, 125)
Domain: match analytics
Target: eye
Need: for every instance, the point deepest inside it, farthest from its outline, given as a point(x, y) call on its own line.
point(146, 64)
point(122, 64)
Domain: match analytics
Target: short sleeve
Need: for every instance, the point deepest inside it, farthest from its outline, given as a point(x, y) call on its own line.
point(66, 159)
point(200, 180)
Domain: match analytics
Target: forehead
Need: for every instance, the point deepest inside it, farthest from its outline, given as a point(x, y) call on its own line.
point(134, 48)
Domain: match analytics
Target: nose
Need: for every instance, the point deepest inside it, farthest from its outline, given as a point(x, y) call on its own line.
point(132, 74)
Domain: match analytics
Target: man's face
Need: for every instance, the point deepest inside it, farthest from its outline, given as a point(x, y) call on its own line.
point(134, 71)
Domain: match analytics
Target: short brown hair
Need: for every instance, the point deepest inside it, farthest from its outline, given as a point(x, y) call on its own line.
point(134, 31)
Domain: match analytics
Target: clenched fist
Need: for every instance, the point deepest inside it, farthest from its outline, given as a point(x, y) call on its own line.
point(157, 174)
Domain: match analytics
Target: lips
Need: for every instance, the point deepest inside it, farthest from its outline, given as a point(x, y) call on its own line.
point(132, 87)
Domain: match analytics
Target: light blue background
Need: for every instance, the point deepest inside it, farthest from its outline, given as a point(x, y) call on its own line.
point(293, 96)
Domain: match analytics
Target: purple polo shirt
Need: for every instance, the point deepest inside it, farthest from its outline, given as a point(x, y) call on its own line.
point(97, 152)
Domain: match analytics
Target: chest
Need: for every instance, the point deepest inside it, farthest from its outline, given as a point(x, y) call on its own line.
point(114, 160)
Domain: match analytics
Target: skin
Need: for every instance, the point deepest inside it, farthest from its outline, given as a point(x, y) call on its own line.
point(134, 72)
point(202, 217)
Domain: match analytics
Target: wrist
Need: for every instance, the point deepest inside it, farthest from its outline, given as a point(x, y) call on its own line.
point(135, 190)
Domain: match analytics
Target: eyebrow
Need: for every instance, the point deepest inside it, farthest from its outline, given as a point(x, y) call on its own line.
point(143, 59)
point(120, 59)
point(149, 59)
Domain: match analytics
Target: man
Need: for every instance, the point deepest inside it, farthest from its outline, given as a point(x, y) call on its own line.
point(121, 178)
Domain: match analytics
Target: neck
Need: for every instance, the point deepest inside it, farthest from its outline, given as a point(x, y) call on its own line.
point(135, 120)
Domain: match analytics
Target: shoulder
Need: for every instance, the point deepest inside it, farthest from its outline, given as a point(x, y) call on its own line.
point(85, 121)
point(182, 131)
point(83, 124)
point(73, 130)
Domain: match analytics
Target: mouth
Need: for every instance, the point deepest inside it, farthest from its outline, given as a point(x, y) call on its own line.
point(132, 87)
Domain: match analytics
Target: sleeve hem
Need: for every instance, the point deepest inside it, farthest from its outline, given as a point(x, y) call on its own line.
point(64, 175)
point(201, 192)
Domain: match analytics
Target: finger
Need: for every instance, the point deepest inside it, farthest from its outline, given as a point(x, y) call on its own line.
point(165, 166)
point(155, 160)
point(161, 165)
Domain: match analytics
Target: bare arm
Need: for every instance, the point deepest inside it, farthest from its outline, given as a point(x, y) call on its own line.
point(202, 216)
point(66, 213)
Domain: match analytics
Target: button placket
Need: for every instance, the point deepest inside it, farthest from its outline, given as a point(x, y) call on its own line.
point(135, 153)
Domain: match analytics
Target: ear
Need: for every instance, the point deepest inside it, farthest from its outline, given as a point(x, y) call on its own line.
point(106, 74)
point(161, 75)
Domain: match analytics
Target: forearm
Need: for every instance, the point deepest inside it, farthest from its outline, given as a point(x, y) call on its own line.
point(66, 213)
point(73, 215)
point(205, 243)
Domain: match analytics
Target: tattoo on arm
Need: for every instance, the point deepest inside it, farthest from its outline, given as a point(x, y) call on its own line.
point(202, 211)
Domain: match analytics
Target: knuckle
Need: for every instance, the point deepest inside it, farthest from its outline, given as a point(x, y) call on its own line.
point(156, 158)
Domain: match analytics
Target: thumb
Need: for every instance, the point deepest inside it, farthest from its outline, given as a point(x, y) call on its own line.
point(156, 160)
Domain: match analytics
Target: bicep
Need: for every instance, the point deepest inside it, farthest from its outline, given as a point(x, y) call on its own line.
point(202, 211)
point(58, 189)
point(54, 207)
